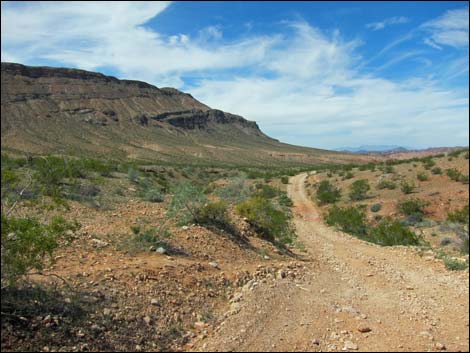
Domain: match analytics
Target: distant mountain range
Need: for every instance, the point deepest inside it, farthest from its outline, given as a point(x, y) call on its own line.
point(373, 148)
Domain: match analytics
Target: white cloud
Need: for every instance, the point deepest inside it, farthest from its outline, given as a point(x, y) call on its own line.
point(375, 26)
point(450, 29)
point(92, 35)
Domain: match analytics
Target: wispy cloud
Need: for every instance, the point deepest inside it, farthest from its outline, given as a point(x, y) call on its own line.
point(375, 26)
point(450, 29)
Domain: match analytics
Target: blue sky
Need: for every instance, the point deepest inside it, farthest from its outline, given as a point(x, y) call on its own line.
point(319, 74)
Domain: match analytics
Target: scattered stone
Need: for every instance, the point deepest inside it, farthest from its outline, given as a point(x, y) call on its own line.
point(99, 243)
point(154, 302)
point(147, 319)
point(364, 329)
point(315, 342)
point(214, 264)
point(161, 250)
point(281, 274)
point(440, 346)
point(348, 345)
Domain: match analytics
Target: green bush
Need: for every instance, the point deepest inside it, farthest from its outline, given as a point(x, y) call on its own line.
point(285, 200)
point(436, 170)
point(187, 199)
point(422, 176)
point(376, 207)
point(267, 192)
point(327, 192)
point(413, 208)
point(455, 264)
point(359, 189)
point(154, 195)
point(428, 163)
point(454, 174)
point(27, 244)
point(236, 190)
point(349, 175)
point(213, 214)
point(389, 169)
point(390, 232)
point(147, 240)
point(385, 184)
point(459, 216)
point(407, 187)
point(351, 220)
point(285, 180)
point(270, 223)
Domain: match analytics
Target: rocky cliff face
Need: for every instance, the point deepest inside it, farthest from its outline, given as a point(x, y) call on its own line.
point(103, 100)
point(60, 110)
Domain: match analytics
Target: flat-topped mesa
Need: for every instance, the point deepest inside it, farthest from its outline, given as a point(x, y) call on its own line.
point(106, 101)
point(52, 77)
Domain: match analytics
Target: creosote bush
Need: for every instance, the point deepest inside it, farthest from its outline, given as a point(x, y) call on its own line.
point(407, 187)
point(327, 192)
point(459, 216)
point(413, 208)
point(359, 189)
point(27, 244)
point(388, 232)
point(271, 223)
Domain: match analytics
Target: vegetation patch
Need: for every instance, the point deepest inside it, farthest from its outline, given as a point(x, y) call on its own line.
point(327, 193)
point(358, 190)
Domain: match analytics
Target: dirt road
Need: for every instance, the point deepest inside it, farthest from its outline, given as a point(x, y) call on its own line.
point(400, 300)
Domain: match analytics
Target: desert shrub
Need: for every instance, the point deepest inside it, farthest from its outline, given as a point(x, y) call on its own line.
point(27, 244)
point(413, 208)
point(327, 192)
point(133, 174)
point(436, 170)
point(422, 176)
point(285, 180)
point(285, 200)
point(385, 184)
point(459, 216)
point(455, 264)
point(267, 192)
point(446, 241)
point(147, 239)
point(454, 174)
point(213, 214)
point(389, 169)
point(349, 219)
point(349, 175)
point(407, 187)
point(428, 163)
point(376, 207)
point(390, 232)
point(154, 195)
point(187, 199)
point(271, 223)
point(236, 190)
point(466, 156)
point(464, 179)
point(359, 189)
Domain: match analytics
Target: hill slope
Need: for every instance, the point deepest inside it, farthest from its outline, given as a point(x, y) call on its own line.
point(58, 110)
